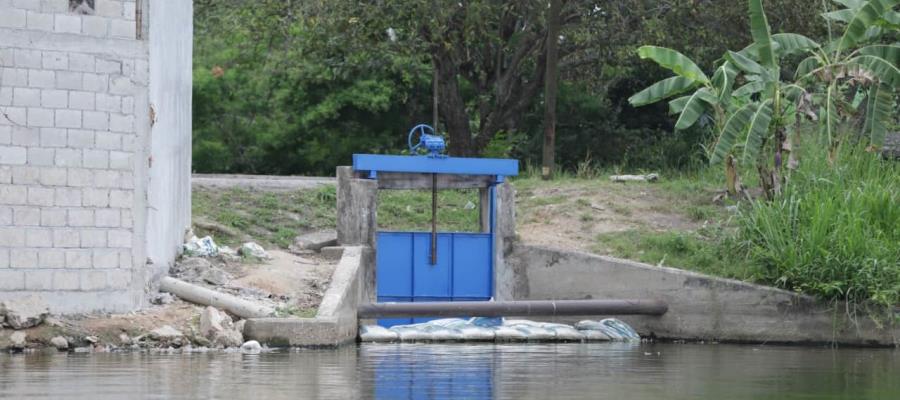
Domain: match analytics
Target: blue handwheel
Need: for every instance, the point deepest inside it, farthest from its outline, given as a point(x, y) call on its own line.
point(422, 131)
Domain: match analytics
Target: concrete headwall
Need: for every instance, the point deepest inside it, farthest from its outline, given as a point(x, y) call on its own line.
point(335, 322)
point(74, 149)
point(701, 307)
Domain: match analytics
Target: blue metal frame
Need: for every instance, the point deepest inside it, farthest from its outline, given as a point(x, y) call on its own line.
point(435, 165)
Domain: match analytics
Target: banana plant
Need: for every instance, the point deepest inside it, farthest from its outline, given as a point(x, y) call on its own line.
point(747, 117)
point(859, 64)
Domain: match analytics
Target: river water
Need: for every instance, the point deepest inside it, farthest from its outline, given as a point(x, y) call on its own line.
point(476, 371)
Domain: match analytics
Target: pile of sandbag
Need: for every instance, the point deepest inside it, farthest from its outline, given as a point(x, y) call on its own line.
point(500, 330)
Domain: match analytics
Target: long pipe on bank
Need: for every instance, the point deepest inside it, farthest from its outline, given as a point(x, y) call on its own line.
point(513, 308)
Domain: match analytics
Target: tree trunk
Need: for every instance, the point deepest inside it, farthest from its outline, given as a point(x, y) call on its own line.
point(550, 89)
point(452, 107)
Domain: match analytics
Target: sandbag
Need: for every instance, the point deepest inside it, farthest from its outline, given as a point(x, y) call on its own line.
point(375, 333)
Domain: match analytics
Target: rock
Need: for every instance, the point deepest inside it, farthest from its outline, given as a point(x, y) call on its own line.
point(60, 343)
point(254, 250)
point(18, 340)
point(162, 298)
point(201, 247)
point(251, 347)
point(332, 252)
point(219, 329)
point(239, 326)
point(315, 240)
point(215, 276)
point(124, 339)
point(91, 339)
point(25, 312)
point(166, 334)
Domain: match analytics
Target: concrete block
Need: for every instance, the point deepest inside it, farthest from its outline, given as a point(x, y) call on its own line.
point(81, 62)
point(12, 280)
point(126, 259)
point(55, 60)
point(68, 118)
point(36, 237)
point(67, 24)
point(122, 29)
point(53, 176)
point(80, 138)
point(13, 195)
point(357, 202)
point(4, 261)
point(14, 116)
point(54, 137)
point(81, 100)
point(5, 134)
point(121, 123)
point(38, 196)
point(80, 177)
point(13, 155)
point(53, 217)
point(39, 21)
point(67, 197)
point(14, 77)
point(66, 238)
point(25, 136)
point(108, 8)
point(54, 6)
point(93, 238)
point(120, 160)
point(22, 175)
point(119, 278)
point(40, 118)
point(51, 258)
point(96, 120)
point(122, 86)
point(26, 58)
point(95, 197)
point(93, 280)
point(108, 218)
point(128, 104)
point(95, 26)
point(5, 94)
point(5, 175)
point(66, 280)
point(52, 98)
point(106, 66)
point(6, 216)
point(69, 80)
point(106, 258)
point(23, 258)
point(11, 237)
point(41, 157)
point(332, 252)
point(95, 158)
point(27, 5)
point(121, 199)
point(79, 217)
point(27, 216)
point(69, 158)
point(110, 103)
point(41, 279)
point(108, 141)
point(7, 58)
point(119, 238)
point(79, 259)
point(12, 18)
point(41, 79)
point(26, 97)
point(127, 219)
point(95, 82)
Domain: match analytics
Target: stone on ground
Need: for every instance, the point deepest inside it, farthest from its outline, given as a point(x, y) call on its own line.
point(60, 343)
point(251, 347)
point(167, 334)
point(254, 250)
point(215, 276)
point(18, 340)
point(218, 327)
point(24, 313)
point(315, 241)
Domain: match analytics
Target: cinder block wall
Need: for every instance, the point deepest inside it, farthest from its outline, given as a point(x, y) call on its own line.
point(74, 139)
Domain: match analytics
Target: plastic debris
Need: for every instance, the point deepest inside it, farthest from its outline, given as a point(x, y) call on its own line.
point(201, 247)
point(251, 249)
point(500, 330)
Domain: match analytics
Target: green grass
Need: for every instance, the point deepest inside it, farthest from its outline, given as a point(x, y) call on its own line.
point(270, 218)
point(410, 210)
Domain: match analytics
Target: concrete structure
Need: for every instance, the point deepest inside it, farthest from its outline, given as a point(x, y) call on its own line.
point(701, 307)
point(335, 322)
point(95, 119)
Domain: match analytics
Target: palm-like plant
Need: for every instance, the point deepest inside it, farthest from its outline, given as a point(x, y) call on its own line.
point(764, 109)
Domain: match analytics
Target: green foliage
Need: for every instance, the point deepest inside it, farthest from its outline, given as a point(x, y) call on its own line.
point(835, 230)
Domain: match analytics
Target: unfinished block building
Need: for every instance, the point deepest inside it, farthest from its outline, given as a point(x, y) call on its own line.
point(95, 119)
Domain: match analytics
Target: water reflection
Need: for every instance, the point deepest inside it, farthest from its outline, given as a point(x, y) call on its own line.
point(420, 371)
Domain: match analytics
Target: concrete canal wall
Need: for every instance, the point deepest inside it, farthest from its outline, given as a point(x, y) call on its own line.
point(701, 307)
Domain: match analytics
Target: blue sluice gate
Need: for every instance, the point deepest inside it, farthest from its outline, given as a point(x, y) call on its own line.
point(435, 266)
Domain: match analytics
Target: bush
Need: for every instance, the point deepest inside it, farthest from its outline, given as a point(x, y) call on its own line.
point(834, 232)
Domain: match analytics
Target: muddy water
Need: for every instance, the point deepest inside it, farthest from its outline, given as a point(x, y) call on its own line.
point(528, 371)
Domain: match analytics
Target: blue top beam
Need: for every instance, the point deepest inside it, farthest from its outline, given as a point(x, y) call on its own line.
point(435, 165)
